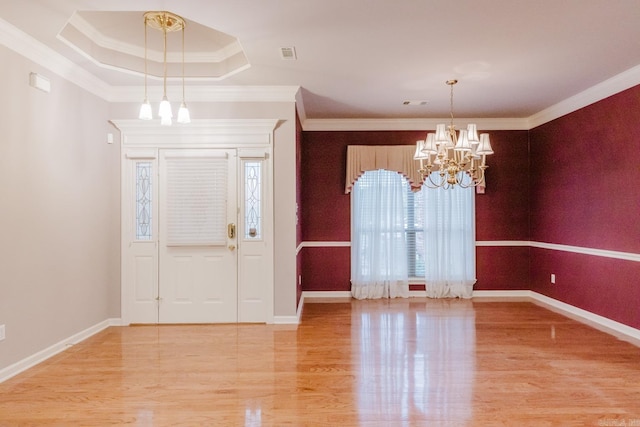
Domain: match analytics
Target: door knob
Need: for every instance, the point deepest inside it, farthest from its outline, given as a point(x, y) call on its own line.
point(231, 247)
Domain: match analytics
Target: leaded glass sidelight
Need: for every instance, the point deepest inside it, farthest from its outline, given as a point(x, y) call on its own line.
point(143, 201)
point(253, 200)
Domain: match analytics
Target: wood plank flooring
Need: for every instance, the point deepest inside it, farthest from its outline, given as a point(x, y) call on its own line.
point(414, 362)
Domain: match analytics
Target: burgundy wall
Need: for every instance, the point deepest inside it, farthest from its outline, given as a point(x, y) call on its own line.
point(585, 192)
point(501, 213)
point(299, 203)
point(572, 181)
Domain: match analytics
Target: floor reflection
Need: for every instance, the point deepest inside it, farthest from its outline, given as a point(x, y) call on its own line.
point(416, 361)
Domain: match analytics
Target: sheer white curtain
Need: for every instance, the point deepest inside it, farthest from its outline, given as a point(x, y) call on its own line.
point(378, 242)
point(449, 236)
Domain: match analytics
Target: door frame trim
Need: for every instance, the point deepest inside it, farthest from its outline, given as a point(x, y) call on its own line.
point(205, 133)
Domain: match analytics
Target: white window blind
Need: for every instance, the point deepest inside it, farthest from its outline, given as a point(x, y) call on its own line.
point(196, 201)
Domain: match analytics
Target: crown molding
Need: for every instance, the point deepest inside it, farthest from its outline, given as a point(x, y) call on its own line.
point(625, 80)
point(208, 93)
point(410, 124)
point(26, 46)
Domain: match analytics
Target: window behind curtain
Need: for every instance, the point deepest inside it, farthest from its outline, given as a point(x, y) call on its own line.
point(414, 230)
point(378, 242)
point(369, 186)
point(450, 242)
point(459, 227)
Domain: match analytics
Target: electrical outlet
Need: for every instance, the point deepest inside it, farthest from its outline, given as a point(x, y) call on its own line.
point(553, 278)
point(1, 332)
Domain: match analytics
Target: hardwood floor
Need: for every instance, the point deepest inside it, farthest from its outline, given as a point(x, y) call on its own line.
point(412, 362)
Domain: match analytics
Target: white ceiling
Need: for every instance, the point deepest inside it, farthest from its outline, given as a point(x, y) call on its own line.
point(360, 59)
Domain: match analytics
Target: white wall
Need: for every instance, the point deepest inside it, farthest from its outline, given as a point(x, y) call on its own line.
point(59, 211)
point(60, 206)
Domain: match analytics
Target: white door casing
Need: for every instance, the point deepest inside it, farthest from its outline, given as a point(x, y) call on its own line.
point(141, 260)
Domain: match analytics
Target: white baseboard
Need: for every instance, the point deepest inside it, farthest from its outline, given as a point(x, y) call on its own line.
point(285, 320)
point(602, 323)
point(502, 294)
point(326, 294)
point(41, 356)
point(347, 294)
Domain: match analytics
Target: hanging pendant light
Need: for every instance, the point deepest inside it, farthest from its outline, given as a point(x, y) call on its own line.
point(183, 112)
point(145, 108)
point(165, 22)
point(164, 111)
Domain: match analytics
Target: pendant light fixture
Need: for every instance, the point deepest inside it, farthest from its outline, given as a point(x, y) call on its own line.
point(145, 108)
point(183, 112)
point(458, 158)
point(165, 22)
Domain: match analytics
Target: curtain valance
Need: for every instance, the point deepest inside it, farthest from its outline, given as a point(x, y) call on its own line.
point(399, 158)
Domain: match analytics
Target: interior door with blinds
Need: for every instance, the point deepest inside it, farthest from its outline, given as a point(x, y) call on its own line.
point(198, 281)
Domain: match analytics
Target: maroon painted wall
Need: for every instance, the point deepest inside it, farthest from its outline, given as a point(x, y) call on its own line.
point(299, 203)
point(501, 213)
point(572, 181)
point(585, 192)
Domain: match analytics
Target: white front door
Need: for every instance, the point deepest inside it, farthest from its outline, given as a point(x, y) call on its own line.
point(198, 210)
point(197, 239)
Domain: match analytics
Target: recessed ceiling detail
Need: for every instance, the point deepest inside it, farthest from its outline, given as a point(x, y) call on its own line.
point(115, 40)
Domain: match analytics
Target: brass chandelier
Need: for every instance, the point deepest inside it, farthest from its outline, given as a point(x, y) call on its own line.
point(458, 158)
point(165, 22)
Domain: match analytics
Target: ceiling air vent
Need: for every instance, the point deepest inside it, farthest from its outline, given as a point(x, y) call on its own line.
point(288, 53)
